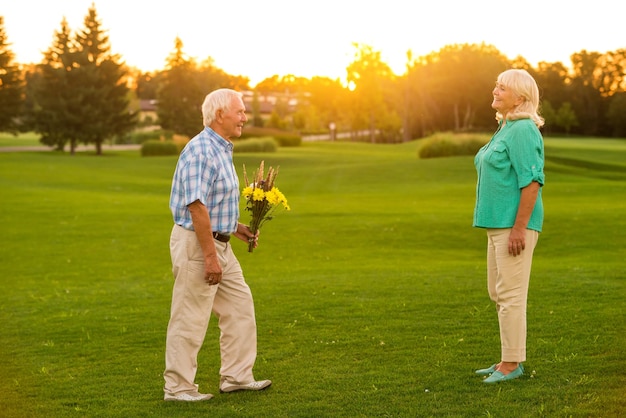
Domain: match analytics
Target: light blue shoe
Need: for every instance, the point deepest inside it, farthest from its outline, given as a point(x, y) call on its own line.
point(498, 376)
point(487, 371)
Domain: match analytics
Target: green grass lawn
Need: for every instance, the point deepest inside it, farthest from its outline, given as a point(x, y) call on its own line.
point(370, 294)
point(22, 140)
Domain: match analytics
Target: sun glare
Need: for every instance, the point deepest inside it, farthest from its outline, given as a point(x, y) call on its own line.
point(318, 42)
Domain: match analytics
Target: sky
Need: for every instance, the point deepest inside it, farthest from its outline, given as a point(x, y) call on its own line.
point(261, 38)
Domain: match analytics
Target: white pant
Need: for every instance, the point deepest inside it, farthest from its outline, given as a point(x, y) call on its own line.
point(193, 300)
point(508, 278)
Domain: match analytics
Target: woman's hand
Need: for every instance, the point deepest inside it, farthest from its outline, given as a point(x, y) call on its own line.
point(517, 241)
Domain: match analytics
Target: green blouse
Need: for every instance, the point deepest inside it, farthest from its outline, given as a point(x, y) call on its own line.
point(511, 160)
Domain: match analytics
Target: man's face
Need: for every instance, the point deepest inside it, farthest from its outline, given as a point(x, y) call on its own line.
point(231, 121)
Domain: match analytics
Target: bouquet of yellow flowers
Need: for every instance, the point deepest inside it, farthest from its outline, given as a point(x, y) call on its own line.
point(262, 198)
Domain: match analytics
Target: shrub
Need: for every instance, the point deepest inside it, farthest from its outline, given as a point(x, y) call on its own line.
point(256, 132)
point(153, 148)
point(180, 141)
point(288, 140)
point(141, 136)
point(263, 144)
point(449, 144)
point(283, 138)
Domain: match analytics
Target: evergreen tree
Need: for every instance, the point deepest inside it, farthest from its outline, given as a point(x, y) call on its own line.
point(179, 96)
point(182, 88)
point(80, 93)
point(100, 81)
point(54, 100)
point(11, 86)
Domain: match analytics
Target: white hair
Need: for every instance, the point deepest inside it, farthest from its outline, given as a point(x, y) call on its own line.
point(524, 86)
point(219, 99)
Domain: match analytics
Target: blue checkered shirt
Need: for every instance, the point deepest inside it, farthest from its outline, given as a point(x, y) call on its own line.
point(205, 172)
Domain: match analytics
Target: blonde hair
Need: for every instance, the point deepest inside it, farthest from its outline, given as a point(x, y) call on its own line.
point(525, 86)
point(219, 99)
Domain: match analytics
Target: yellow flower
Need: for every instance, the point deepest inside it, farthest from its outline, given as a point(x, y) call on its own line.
point(280, 198)
point(258, 195)
point(283, 200)
point(247, 192)
point(273, 196)
point(262, 198)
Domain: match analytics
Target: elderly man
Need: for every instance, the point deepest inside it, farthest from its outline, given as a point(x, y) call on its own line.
point(208, 278)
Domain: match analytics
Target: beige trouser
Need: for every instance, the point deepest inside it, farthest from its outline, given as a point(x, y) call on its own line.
point(193, 300)
point(507, 280)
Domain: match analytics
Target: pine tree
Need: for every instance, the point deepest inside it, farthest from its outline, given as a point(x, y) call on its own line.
point(56, 106)
point(179, 96)
point(80, 95)
point(11, 86)
point(100, 79)
point(182, 88)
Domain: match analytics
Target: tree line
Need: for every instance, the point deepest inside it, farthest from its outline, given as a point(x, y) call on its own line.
point(81, 92)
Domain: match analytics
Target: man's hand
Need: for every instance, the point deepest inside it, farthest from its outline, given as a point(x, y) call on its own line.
point(212, 270)
point(245, 234)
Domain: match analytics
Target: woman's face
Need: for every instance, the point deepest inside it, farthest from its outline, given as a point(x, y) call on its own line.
point(505, 99)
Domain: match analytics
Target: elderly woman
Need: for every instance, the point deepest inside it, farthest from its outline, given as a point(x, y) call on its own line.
point(509, 207)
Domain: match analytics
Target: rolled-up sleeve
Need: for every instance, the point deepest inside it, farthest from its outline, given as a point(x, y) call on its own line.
point(526, 155)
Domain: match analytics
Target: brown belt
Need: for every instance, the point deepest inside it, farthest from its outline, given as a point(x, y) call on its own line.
point(221, 237)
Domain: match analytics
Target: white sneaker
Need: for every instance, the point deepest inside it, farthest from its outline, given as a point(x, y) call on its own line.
point(188, 397)
point(254, 385)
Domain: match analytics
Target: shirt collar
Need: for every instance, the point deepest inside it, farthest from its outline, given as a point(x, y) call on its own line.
point(227, 145)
